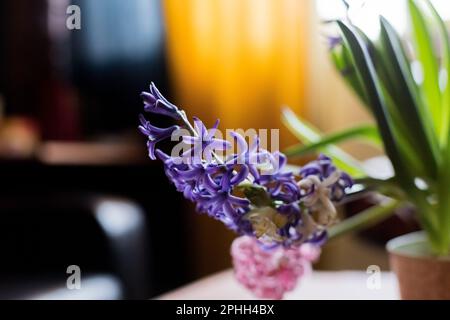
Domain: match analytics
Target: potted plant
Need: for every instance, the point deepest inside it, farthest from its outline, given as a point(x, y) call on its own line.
point(408, 94)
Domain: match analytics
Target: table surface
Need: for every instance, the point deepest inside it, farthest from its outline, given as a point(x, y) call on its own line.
point(320, 285)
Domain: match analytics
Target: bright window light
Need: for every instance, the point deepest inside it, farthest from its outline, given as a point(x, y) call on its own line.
point(364, 13)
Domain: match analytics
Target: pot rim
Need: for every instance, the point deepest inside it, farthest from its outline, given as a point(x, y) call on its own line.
point(404, 246)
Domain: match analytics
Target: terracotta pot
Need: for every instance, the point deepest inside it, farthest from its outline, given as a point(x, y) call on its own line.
point(421, 275)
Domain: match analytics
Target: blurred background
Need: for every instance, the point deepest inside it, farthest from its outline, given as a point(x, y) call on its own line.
point(76, 185)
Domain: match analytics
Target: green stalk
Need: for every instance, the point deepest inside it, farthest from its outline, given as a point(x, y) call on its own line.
point(426, 214)
point(364, 219)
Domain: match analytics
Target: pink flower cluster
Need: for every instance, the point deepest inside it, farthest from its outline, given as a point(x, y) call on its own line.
point(269, 273)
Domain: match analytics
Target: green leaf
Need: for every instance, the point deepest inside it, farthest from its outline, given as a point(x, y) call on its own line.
point(444, 176)
point(367, 133)
point(340, 55)
point(367, 72)
point(389, 79)
point(406, 144)
point(306, 134)
point(365, 219)
point(418, 124)
point(427, 58)
point(445, 106)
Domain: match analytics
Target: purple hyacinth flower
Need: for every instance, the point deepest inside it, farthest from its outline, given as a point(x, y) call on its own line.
point(294, 208)
point(182, 175)
point(319, 238)
point(281, 185)
point(323, 168)
point(194, 176)
point(333, 42)
point(154, 134)
point(220, 202)
point(155, 102)
point(252, 156)
point(204, 144)
point(223, 205)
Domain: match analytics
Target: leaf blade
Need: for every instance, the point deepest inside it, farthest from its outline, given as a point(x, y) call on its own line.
point(367, 72)
point(307, 134)
point(368, 133)
point(428, 59)
point(409, 106)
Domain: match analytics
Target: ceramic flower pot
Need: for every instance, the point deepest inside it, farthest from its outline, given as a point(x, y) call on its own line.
point(420, 274)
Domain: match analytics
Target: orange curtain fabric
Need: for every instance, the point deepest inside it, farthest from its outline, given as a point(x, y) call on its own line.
point(239, 60)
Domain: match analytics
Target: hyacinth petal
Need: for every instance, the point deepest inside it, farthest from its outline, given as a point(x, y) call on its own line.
point(210, 184)
point(151, 149)
point(189, 192)
point(310, 169)
point(154, 102)
point(154, 134)
point(229, 210)
point(218, 144)
point(200, 128)
point(254, 172)
point(162, 156)
point(208, 154)
point(346, 179)
point(240, 176)
point(156, 131)
point(154, 90)
point(238, 201)
point(190, 140)
point(143, 130)
point(333, 42)
point(274, 192)
point(225, 184)
point(148, 98)
point(142, 120)
point(189, 174)
point(212, 168)
point(241, 143)
point(254, 147)
point(323, 157)
point(282, 159)
point(164, 108)
point(319, 239)
point(212, 131)
point(161, 133)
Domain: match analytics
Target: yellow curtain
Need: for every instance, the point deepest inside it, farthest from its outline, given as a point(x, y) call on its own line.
point(239, 60)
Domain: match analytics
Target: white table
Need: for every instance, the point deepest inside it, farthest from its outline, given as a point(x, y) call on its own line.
point(319, 285)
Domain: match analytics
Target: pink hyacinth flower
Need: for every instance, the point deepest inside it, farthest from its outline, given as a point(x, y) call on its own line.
point(269, 273)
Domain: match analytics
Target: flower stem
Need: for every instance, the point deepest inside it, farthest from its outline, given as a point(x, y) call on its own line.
point(185, 120)
point(365, 219)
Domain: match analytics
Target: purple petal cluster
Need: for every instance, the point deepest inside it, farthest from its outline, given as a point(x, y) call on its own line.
point(154, 135)
point(204, 144)
point(249, 190)
point(281, 185)
point(324, 168)
point(155, 102)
